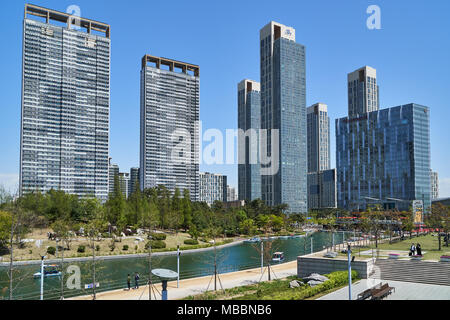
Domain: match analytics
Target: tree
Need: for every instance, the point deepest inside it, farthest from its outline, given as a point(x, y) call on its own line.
point(187, 210)
point(372, 220)
point(248, 227)
point(5, 227)
point(439, 218)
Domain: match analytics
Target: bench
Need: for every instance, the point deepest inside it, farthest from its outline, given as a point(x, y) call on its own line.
point(383, 292)
point(368, 293)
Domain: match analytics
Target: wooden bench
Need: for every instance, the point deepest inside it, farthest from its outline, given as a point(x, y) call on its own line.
point(368, 293)
point(383, 292)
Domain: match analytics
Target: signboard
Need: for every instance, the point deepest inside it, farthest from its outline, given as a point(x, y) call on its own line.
point(417, 208)
point(90, 285)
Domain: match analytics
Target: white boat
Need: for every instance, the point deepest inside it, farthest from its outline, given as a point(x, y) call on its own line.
point(49, 271)
point(284, 237)
point(252, 240)
point(278, 257)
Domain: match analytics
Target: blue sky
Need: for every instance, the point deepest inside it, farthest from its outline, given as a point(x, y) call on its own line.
point(410, 53)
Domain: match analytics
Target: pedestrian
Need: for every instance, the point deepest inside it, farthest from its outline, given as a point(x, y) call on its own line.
point(129, 282)
point(136, 281)
point(413, 249)
point(419, 249)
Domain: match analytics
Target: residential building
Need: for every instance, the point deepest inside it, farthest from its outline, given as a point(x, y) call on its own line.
point(434, 185)
point(124, 181)
point(384, 157)
point(249, 121)
point(232, 195)
point(213, 187)
point(134, 180)
point(112, 172)
point(363, 92)
point(169, 146)
point(64, 138)
point(283, 108)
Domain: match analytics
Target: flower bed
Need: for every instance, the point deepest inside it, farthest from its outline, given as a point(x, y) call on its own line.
point(394, 255)
point(445, 258)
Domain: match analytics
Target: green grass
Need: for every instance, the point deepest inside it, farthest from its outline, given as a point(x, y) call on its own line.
point(279, 289)
point(428, 243)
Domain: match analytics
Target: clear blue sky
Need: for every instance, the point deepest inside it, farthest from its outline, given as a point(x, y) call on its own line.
point(411, 54)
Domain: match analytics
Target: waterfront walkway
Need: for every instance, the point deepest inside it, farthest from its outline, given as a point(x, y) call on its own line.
point(199, 285)
point(403, 291)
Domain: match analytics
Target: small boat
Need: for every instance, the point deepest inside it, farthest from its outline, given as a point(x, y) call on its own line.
point(297, 236)
point(252, 240)
point(278, 257)
point(49, 271)
point(284, 237)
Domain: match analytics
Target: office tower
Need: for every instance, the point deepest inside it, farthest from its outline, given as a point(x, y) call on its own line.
point(318, 125)
point(65, 104)
point(134, 180)
point(113, 171)
point(213, 187)
point(363, 94)
point(232, 195)
point(322, 189)
point(170, 103)
point(283, 108)
point(434, 185)
point(124, 181)
point(249, 121)
point(384, 157)
point(321, 179)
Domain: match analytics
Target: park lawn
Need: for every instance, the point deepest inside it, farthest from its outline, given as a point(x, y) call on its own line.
point(31, 252)
point(429, 243)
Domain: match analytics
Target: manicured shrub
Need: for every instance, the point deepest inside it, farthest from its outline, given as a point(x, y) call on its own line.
point(51, 250)
point(97, 248)
point(156, 244)
point(81, 249)
point(191, 242)
point(125, 247)
point(157, 236)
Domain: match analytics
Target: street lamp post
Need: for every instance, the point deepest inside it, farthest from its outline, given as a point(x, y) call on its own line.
point(42, 277)
point(349, 253)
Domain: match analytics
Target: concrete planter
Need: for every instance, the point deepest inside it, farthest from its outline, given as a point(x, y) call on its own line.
point(416, 257)
point(394, 255)
point(445, 258)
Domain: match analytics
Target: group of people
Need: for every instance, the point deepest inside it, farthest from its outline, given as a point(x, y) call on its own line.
point(415, 250)
point(136, 281)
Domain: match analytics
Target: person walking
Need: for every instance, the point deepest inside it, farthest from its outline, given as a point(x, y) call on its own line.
point(136, 280)
point(413, 249)
point(129, 282)
point(419, 249)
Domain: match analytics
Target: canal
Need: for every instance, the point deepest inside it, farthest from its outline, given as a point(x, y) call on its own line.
point(112, 274)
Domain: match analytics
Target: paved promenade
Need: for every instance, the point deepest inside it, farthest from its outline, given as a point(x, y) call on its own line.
point(198, 285)
point(403, 291)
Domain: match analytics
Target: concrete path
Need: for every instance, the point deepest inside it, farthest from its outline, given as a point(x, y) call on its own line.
point(403, 291)
point(199, 285)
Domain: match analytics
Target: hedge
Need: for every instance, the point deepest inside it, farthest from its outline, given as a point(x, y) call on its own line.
point(51, 250)
point(158, 236)
point(190, 242)
point(156, 244)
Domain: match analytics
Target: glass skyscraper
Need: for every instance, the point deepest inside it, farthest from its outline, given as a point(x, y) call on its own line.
point(249, 121)
point(283, 107)
point(321, 179)
point(170, 106)
point(384, 157)
point(318, 138)
point(65, 104)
